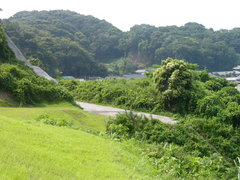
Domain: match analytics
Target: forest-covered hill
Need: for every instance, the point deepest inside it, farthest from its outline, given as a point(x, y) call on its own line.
point(22, 84)
point(65, 41)
point(77, 45)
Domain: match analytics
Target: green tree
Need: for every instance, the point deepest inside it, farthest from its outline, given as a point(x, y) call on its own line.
point(6, 55)
point(231, 114)
point(173, 81)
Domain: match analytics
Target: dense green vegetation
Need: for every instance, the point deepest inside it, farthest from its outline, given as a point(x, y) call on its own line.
point(77, 45)
point(6, 55)
point(22, 83)
point(137, 94)
point(206, 140)
point(27, 88)
point(194, 148)
point(214, 50)
point(176, 87)
point(65, 41)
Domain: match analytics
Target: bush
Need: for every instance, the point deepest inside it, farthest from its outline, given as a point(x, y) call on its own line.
point(27, 88)
point(138, 94)
point(209, 106)
point(46, 119)
point(183, 151)
point(231, 114)
point(126, 125)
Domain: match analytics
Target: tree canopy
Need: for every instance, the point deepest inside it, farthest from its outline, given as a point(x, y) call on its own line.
point(173, 80)
point(6, 55)
point(78, 45)
point(65, 41)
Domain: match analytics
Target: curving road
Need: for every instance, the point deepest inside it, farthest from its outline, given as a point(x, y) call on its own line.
point(110, 111)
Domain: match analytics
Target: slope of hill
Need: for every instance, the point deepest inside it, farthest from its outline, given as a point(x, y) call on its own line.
point(76, 45)
point(65, 41)
point(6, 55)
point(212, 50)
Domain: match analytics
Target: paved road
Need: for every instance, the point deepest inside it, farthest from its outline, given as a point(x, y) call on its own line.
point(110, 111)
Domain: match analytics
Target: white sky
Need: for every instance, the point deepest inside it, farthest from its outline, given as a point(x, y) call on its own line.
point(216, 14)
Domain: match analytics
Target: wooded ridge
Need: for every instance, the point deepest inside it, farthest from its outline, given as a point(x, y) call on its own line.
point(72, 44)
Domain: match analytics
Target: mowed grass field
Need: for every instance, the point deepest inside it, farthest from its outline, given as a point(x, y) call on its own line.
point(34, 150)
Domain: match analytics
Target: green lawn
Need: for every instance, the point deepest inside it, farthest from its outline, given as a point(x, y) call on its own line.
point(34, 150)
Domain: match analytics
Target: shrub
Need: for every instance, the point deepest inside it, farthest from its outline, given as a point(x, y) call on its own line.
point(182, 151)
point(209, 106)
point(126, 125)
point(46, 119)
point(27, 88)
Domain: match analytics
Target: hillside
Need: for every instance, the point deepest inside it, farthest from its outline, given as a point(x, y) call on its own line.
point(19, 82)
point(6, 55)
point(69, 43)
point(212, 50)
point(65, 41)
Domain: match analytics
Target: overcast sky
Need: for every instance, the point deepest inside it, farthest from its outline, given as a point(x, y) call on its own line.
point(217, 14)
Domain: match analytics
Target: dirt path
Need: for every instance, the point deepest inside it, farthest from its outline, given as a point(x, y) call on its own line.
point(110, 111)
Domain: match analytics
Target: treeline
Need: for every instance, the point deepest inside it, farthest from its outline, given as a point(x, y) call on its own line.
point(77, 45)
point(212, 50)
point(22, 83)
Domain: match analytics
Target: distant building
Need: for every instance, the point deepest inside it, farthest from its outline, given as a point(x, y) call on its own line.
point(233, 76)
point(234, 79)
point(68, 77)
point(94, 78)
point(226, 73)
point(141, 71)
point(236, 68)
point(133, 76)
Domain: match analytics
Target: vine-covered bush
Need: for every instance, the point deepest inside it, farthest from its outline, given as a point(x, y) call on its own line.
point(27, 88)
point(197, 148)
point(138, 94)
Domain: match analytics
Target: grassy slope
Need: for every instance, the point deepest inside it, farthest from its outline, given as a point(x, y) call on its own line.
point(80, 118)
point(33, 150)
